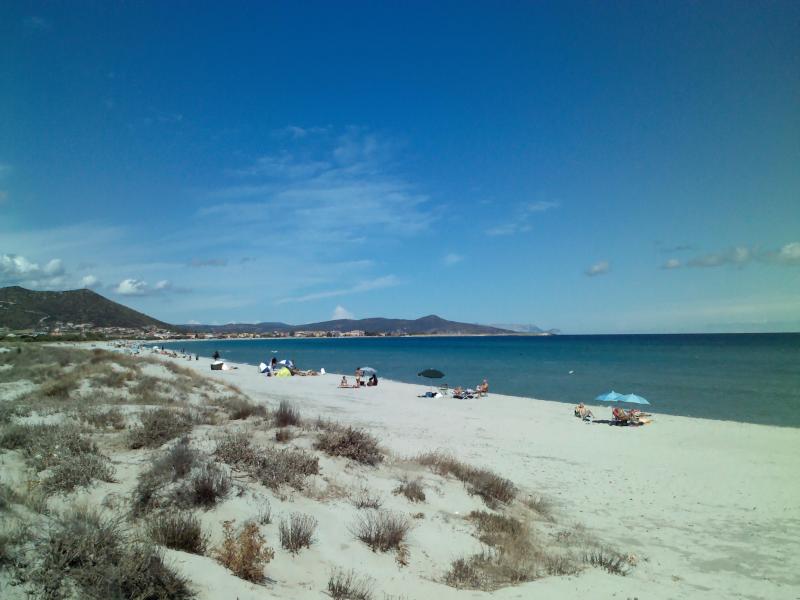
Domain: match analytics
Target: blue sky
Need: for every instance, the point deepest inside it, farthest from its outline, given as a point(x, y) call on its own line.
point(592, 167)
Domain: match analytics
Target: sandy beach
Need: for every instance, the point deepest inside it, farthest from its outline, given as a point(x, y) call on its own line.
point(701, 509)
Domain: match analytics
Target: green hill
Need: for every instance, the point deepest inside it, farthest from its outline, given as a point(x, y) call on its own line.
point(27, 309)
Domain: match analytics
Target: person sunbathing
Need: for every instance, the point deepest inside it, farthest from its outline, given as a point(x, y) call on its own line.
point(482, 388)
point(343, 383)
point(584, 413)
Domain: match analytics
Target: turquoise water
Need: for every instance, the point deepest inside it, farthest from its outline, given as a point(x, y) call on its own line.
point(749, 377)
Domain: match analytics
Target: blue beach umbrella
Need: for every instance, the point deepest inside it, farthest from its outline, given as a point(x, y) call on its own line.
point(611, 396)
point(633, 399)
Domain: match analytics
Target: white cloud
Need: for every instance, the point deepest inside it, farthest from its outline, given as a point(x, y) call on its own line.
point(739, 255)
point(363, 286)
point(340, 312)
point(296, 132)
point(90, 282)
point(452, 258)
point(789, 254)
point(540, 206)
point(132, 287)
point(138, 287)
point(672, 263)
point(600, 268)
point(508, 229)
point(18, 270)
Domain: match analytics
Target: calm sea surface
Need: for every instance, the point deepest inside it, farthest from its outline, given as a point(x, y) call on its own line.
point(749, 377)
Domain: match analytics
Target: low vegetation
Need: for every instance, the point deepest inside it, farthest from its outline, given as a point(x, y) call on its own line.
point(286, 415)
point(349, 442)
point(346, 585)
point(381, 530)
point(92, 554)
point(492, 488)
point(365, 498)
point(244, 552)
point(411, 489)
point(159, 426)
point(608, 559)
point(70, 458)
point(271, 466)
point(297, 532)
point(239, 408)
point(178, 530)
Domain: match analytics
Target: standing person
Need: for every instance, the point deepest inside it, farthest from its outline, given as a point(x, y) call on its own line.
point(358, 377)
point(216, 355)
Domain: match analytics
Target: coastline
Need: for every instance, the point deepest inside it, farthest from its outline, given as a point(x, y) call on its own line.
point(686, 496)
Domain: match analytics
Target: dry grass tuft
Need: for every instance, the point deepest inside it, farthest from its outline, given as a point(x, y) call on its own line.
point(286, 415)
point(283, 435)
point(177, 530)
point(348, 442)
point(540, 505)
point(265, 513)
point(492, 488)
point(159, 426)
point(381, 530)
point(411, 489)
point(364, 498)
point(346, 585)
point(245, 553)
point(297, 532)
point(608, 559)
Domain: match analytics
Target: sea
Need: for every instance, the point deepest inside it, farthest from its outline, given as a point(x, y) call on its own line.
point(752, 378)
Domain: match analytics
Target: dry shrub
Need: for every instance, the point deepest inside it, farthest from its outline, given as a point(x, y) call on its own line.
point(271, 466)
point(348, 442)
point(492, 488)
point(297, 532)
point(283, 435)
point(286, 415)
point(346, 585)
point(239, 408)
point(72, 459)
point(177, 530)
point(159, 426)
point(511, 556)
point(78, 471)
point(206, 486)
point(540, 505)
point(61, 387)
point(608, 559)
point(96, 555)
point(245, 553)
point(381, 530)
point(98, 419)
point(411, 489)
point(180, 477)
point(364, 498)
point(285, 467)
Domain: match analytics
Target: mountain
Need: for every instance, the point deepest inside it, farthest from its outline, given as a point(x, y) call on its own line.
point(27, 309)
point(424, 325)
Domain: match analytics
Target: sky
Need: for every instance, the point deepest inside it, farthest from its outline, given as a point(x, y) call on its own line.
point(624, 167)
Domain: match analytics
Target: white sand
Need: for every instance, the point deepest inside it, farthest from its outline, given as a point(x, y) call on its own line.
point(710, 509)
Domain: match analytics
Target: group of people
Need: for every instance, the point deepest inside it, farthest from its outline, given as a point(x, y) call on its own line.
point(372, 381)
point(482, 389)
point(620, 415)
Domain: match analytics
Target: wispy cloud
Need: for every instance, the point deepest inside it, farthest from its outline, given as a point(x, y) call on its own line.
point(346, 190)
point(451, 259)
point(522, 215)
point(340, 312)
point(600, 268)
point(38, 23)
point(297, 132)
point(208, 262)
point(740, 256)
point(362, 286)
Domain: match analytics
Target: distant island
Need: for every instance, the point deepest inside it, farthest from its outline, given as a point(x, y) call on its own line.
point(84, 314)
